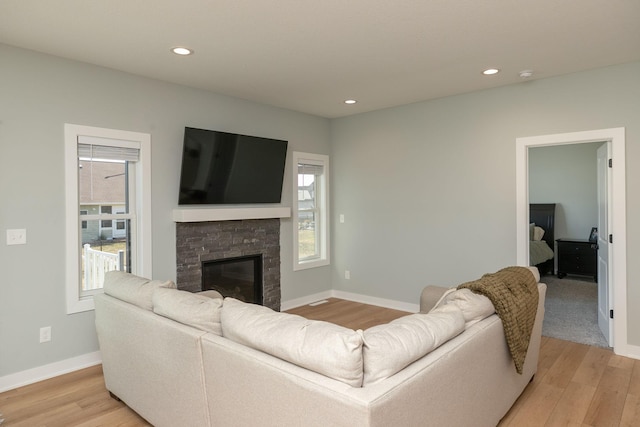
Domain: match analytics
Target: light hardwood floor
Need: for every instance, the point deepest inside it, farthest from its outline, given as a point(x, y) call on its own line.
point(352, 315)
point(576, 385)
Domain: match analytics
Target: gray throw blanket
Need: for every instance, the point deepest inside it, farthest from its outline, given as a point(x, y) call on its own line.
point(514, 294)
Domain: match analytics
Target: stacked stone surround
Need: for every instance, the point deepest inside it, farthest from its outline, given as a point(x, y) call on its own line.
point(197, 242)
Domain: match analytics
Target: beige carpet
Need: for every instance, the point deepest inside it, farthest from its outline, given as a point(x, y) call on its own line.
point(571, 310)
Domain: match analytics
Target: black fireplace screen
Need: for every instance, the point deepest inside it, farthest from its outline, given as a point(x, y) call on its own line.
point(239, 277)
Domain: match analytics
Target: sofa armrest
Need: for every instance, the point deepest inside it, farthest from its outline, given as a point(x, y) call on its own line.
point(430, 296)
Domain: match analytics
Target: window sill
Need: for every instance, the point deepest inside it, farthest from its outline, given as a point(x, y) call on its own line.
point(80, 305)
point(305, 265)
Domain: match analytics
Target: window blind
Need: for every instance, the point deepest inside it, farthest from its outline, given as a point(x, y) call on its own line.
point(104, 152)
point(310, 169)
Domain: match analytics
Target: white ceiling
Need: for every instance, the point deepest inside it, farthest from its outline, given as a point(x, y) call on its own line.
point(310, 56)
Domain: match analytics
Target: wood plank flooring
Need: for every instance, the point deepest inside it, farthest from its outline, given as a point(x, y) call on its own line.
point(75, 399)
point(579, 385)
point(352, 315)
point(576, 385)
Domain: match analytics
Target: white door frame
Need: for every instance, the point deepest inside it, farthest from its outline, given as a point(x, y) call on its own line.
point(605, 299)
point(617, 210)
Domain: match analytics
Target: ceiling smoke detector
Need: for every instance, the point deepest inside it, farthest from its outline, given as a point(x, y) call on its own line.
point(525, 74)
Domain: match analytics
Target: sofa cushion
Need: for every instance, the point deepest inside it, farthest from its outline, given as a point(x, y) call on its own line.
point(197, 310)
point(474, 307)
point(322, 347)
point(133, 289)
point(389, 348)
point(210, 293)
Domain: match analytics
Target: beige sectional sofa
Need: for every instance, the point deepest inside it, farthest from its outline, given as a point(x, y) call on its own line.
point(185, 359)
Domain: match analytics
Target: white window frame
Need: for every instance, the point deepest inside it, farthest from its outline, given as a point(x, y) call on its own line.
point(322, 202)
point(77, 303)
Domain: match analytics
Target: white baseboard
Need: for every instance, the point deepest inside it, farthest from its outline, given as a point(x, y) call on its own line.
point(299, 302)
point(365, 299)
point(380, 302)
point(30, 376)
point(628, 350)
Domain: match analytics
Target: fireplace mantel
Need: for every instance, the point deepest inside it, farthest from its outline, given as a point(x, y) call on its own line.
point(196, 214)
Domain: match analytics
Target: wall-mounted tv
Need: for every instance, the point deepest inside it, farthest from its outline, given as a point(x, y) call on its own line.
point(229, 168)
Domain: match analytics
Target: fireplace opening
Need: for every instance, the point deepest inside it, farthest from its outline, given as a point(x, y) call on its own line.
point(239, 277)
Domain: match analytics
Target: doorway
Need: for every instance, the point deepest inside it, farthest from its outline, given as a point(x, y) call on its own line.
point(617, 215)
point(567, 176)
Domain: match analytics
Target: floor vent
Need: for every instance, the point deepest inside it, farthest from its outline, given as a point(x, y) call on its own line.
point(313, 304)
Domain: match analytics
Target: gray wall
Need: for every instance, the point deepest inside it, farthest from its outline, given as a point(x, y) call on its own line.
point(39, 94)
point(566, 175)
point(428, 189)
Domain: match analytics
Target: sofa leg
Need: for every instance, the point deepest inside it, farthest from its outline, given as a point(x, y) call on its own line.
point(113, 396)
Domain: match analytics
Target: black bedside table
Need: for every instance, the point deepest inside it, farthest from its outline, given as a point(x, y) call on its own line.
point(577, 256)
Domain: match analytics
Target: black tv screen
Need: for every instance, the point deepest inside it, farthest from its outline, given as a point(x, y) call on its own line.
point(228, 168)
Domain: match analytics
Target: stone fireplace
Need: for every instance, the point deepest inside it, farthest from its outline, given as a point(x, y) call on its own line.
point(198, 243)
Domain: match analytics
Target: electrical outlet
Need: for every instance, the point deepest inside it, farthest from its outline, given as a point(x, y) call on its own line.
point(45, 334)
point(347, 274)
point(17, 237)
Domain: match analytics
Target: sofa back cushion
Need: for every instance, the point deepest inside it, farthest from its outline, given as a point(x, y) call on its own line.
point(196, 310)
point(474, 307)
point(322, 347)
point(391, 347)
point(133, 289)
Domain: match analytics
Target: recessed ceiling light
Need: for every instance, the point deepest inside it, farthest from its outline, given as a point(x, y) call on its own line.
point(181, 51)
point(350, 101)
point(490, 71)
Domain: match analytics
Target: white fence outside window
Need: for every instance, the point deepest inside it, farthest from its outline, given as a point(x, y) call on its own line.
point(96, 264)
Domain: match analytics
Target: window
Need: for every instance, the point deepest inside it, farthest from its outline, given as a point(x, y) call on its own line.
point(107, 176)
point(84, 223)
point(105, 223)
point(310, 210)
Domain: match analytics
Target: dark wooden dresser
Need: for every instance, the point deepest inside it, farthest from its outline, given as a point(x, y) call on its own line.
point(577, 256)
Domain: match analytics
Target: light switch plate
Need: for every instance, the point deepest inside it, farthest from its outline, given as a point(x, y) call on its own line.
point(17, 236)
point(45, 334)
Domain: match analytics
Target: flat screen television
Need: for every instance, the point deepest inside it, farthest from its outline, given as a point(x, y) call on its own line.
point(229, 168)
